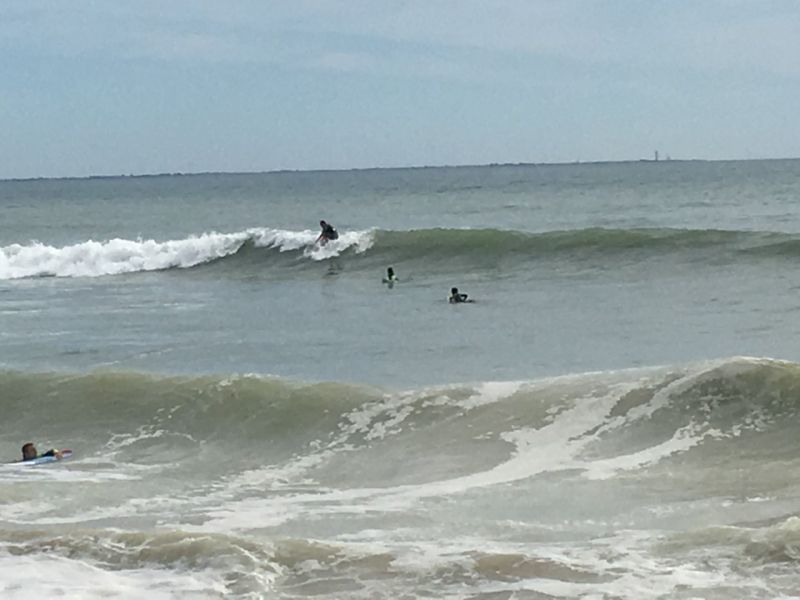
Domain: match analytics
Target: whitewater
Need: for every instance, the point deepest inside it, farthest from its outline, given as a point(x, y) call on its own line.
point(253, 415)
point(113, 257)
point(418, 248)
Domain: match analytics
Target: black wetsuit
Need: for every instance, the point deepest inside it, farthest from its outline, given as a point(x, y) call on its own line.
point(458, 298)
point(329, 233)
point(49, 453)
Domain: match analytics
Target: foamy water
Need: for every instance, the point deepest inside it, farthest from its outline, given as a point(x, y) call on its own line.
point(117, 256)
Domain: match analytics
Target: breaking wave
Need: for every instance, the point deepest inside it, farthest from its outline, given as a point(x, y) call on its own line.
point(228, 485)
point(596, 422)
point(265, 248)
point(117, 256)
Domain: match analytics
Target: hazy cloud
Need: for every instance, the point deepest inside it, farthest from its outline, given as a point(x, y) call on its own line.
point(692, 35)
point(438, 80)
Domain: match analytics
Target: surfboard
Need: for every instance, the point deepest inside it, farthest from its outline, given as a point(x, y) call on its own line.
point(42, 460)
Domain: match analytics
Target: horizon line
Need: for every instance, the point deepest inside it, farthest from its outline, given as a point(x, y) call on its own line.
point(410, 167)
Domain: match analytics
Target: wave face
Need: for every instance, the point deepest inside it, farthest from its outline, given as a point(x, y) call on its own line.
point(621, 413)
point(431, 248)
point(247, 485)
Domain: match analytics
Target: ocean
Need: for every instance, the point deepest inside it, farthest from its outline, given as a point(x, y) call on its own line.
point(615, 416)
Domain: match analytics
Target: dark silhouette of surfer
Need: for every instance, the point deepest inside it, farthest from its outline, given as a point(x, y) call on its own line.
point(390, 278)
point(456, 297)
point(328, 233)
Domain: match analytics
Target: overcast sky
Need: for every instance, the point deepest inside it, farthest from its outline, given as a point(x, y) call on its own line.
point(148, 86)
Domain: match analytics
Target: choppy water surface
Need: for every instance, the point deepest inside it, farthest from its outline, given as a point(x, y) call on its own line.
point(256, 416)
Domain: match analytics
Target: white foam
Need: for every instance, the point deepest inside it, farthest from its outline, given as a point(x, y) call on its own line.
point(281, 239)
point(22, 577)
point(360, 241)
point(112, 257)
point(682, 440)
point(116, 256)
point(537, 450)
point(491, 392)
point(120, 441)
point(556, 446)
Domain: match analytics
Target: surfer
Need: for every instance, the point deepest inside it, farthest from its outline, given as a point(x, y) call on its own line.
point(456, 297)
point(390, 278)
point(328, 233)
point(29, 452)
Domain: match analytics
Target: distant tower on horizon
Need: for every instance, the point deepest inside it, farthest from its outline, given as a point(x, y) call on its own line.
point(656, 155)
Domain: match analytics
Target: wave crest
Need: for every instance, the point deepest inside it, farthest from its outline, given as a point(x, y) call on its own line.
point(118, 256)
point(424, 249)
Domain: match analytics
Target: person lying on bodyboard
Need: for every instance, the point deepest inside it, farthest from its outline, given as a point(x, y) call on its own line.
point(29, 452)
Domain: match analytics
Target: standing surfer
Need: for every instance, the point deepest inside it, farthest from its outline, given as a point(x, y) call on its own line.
point(328, 233)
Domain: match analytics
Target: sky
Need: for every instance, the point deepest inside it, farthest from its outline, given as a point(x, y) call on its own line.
point(112, 87)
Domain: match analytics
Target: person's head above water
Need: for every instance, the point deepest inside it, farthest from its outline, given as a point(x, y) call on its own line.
point(390, 272)
point(29, 451)
point(322, 224)
point(457, 297)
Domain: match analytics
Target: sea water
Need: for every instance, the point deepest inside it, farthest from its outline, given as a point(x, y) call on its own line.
point(257, 416)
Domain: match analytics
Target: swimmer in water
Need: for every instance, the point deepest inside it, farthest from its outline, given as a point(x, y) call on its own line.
point(390, 278)
point(456, 297)
point(29, 452)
